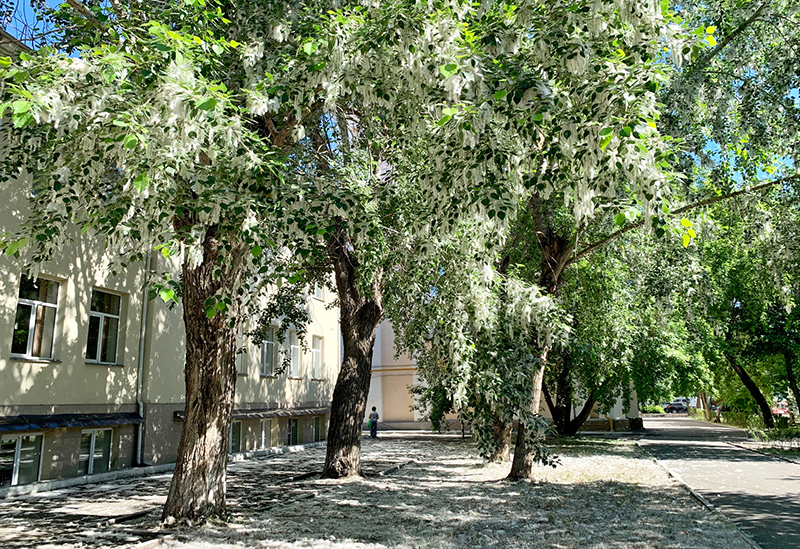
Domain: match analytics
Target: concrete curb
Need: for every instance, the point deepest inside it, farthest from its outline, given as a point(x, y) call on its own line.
point(703, 501)
point(50, 485)
point(766, 454)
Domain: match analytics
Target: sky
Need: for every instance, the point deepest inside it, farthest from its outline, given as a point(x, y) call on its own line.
point(22, 21)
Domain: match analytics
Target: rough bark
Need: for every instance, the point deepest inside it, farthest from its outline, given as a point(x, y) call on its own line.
point(501, 431)
point(555, 249)
point(706, 406)
point(198, 484)
point(755, 392)
point(792, 378)
point(561, 412)
point(360, 315)
point(524, 452)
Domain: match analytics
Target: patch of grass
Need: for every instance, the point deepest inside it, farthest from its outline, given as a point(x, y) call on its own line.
point(779, 434)
point(651, 409)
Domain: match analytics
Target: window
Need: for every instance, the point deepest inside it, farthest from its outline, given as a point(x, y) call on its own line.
point(236, 437)
point(316, 357)
point(294, 355)
point(101, 346)
point(95, 452)
point(240, 351)
point(266, 434)
point(319, 291)
point(317, 428)
point(292, 438)
point(20, 459)
point(268, 353)
point(35, 323)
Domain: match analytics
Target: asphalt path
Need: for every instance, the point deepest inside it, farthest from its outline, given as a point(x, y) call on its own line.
point(760, 493)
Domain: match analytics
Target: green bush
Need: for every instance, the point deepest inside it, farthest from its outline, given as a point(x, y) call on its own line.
point(651, 409)
point(744, 420)
point(697, 413)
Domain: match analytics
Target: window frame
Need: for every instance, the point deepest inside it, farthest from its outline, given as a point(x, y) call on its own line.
point(103, 317)
point(17, 450)
point(34, 304)
point(316, 427)
point(265, 443)
point(294, 353)
point(317, 362)
point(263, 365)
point(230, 442)
point(319, 291)
point(292, 440)
point(241, 351)
point(93, 432)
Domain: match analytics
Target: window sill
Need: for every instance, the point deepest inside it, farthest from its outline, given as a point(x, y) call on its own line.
point(317, 379)
point(299, 378)
point(109, 364)
point(266, 376)
point(34, 359)
point(241, 374)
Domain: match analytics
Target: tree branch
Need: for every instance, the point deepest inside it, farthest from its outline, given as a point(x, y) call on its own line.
point(589, 249)
point(728, 39)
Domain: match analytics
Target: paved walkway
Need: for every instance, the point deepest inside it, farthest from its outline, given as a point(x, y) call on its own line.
point(761, 494)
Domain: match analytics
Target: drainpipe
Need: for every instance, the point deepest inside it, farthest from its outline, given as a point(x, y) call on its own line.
point(140, 365)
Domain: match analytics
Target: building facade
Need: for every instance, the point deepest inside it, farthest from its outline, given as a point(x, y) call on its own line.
point(91, 372)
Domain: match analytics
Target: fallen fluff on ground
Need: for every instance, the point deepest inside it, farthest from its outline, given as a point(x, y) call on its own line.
point(603, 494)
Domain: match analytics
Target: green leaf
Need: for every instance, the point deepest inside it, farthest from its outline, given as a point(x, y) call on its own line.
point(141, 182)
point(538, 117)
point(20, 106)
point(211, 312)
point(686, 223)
point(217, 49)
point(310, 47)
point(256, 251)
point(21, 119)
point(166, 295)
point(208, 104)
point(130, 142)
point(691, 233)
point(619, 219)
point(604, 143)
point(449, 111)
point(443, 120)
point(711, 30)
point(606, 131)
point(686, 240)
point(234, 44)
point(5, 62)
point(500, 94)
point(711, 40)
point(448, 70)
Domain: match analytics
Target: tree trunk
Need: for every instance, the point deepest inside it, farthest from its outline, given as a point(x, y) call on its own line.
point(524, 452)
point(788, 358)
point(501, 431)
point(360, 316)
point(198, 484)
point(556, 249)
point(755, 392)
point(706, 405)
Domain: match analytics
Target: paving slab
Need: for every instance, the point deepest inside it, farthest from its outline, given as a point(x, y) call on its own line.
point(759, 493)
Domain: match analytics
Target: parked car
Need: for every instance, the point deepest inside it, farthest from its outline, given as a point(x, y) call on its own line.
point(675, 408)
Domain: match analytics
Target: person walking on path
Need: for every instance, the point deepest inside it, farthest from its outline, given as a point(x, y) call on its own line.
point(373, 423)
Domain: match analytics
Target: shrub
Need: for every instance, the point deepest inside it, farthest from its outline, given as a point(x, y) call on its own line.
point(651, 409)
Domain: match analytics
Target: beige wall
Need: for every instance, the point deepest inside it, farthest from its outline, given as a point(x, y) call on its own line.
point(391, 378)
point(68, 379)
point(253, 389)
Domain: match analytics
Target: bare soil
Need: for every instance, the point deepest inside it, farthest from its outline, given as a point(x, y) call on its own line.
point(607, 494)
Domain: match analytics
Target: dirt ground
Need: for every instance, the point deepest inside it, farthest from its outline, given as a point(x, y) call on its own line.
point(607, 494)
